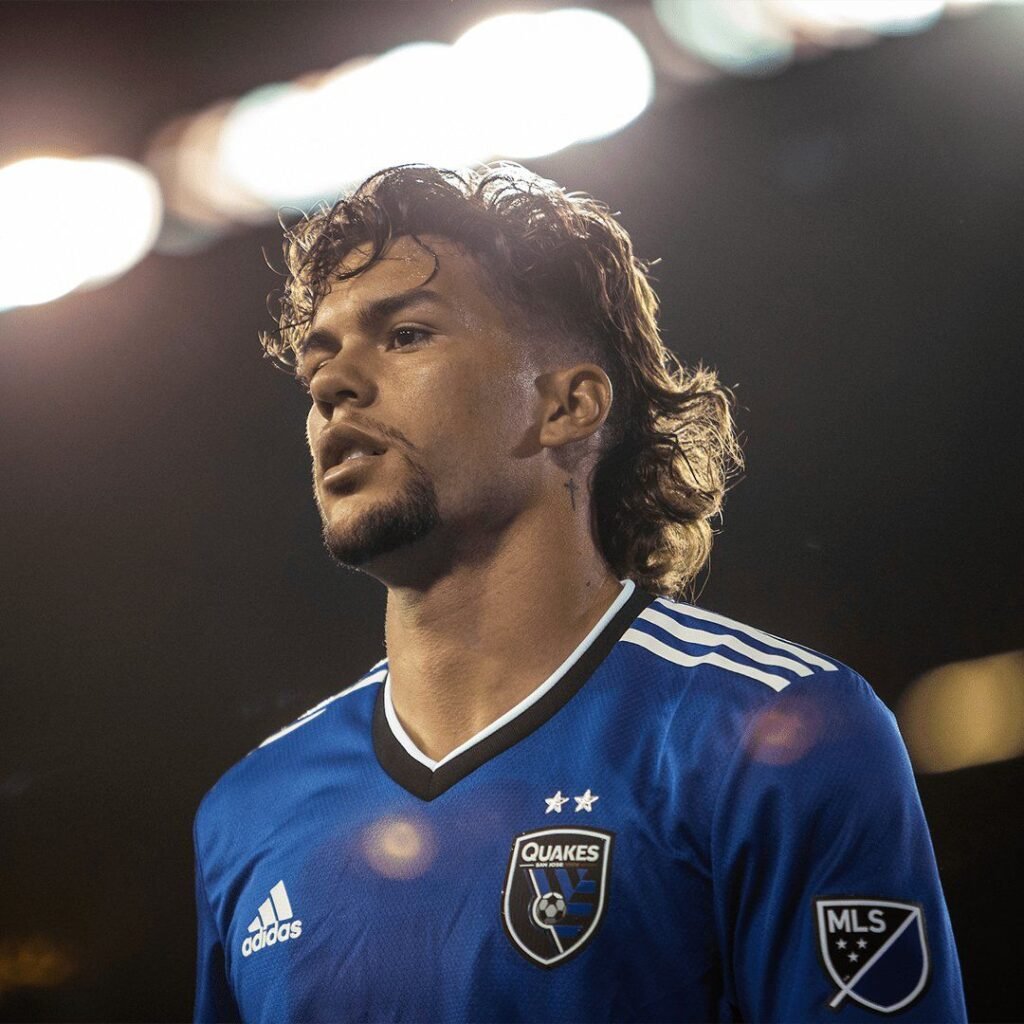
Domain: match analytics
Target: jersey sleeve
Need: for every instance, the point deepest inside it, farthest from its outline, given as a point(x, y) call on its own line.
point(214, 1001)
point(828, 900)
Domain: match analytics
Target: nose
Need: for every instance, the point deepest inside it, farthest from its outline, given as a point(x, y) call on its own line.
point(340, 380)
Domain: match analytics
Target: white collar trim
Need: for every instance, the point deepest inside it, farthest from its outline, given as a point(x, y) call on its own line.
point(628, 586)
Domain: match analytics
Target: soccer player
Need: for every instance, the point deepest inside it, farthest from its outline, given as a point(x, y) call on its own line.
point(565, 794)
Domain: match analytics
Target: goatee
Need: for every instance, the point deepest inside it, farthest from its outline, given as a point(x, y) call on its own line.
point(404, 519)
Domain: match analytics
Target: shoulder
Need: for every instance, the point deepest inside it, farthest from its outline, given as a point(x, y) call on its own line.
point(278, 759)
point(721, 683)
point(731, 659)
point(746, 720)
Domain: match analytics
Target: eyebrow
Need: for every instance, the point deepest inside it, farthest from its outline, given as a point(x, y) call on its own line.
point(373, 313)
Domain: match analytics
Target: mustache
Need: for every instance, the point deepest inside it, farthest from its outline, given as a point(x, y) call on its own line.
point(391, 434)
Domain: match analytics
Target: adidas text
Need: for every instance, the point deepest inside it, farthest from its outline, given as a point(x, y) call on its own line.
point(271, 936)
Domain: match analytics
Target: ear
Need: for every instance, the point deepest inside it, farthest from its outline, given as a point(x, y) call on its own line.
point(575, 403)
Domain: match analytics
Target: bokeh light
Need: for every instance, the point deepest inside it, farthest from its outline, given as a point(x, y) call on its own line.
point(536, 83)
point(71, 223)
point(966, 713)
point(830, 18)
point(515, 85)
point(363, 115)
point(734, 35)
point(35, 962)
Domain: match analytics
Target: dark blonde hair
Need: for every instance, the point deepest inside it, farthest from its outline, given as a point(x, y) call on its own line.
point(568, 269)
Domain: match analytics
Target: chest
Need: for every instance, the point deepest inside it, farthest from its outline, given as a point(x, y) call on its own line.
point(505, 897)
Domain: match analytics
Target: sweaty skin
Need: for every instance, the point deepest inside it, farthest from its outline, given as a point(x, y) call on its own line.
point(477, 517)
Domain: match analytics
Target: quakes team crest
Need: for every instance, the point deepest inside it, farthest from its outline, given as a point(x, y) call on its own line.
point(555, 891)
point(874, 950)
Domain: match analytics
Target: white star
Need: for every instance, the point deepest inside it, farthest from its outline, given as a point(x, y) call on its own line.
point(840, 943)
point(586, 802)
point(555, 802)
point(861, 943)
point(854, 958)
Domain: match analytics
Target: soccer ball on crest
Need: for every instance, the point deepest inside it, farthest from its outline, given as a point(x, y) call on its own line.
point(549, 908)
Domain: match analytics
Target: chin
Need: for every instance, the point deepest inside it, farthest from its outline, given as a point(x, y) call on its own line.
point(384, 526)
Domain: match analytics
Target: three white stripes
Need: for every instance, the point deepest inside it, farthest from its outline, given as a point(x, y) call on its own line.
point(795, 659)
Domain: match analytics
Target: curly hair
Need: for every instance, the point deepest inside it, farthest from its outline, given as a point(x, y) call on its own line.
point(567, 266)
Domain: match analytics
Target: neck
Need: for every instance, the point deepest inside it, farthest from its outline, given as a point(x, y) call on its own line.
point(467, 646)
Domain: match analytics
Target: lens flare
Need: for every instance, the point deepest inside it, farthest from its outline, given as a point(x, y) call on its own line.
point(784, 732)
point(399, 846)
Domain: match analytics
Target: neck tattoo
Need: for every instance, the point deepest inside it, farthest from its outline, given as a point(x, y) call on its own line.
point(571, 486)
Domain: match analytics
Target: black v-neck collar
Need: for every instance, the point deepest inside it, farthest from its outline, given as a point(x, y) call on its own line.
point(426, 783)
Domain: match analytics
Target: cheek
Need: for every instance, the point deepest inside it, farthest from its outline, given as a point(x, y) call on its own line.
point(467, 419)
point(488, 435)
point(314, 427)
point(486, 414)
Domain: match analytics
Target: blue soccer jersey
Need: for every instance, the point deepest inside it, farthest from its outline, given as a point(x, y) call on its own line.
point(690, 820)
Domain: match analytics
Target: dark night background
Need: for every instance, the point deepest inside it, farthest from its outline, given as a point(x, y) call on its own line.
point(843, 241)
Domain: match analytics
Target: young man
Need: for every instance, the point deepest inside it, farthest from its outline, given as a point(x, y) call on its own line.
point(564, 795)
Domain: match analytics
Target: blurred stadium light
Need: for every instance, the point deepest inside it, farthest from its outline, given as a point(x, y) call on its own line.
point(362, 116)
point(733, 35)
point(516, 85)
point(519, 85)
point(966, 713)
point(835, 21)
point(760, 37)
point(561, 77)
point(105, 211)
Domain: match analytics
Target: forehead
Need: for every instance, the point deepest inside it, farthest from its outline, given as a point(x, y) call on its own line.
point(406, 265)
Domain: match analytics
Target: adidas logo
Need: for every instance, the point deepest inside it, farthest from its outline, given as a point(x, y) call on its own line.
point(273, 924)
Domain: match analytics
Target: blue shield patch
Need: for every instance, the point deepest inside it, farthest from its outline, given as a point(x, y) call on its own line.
point(555, 891)
point(874, 950)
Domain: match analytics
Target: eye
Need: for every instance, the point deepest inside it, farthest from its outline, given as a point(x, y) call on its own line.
point(403, 337)
point(399, 337)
